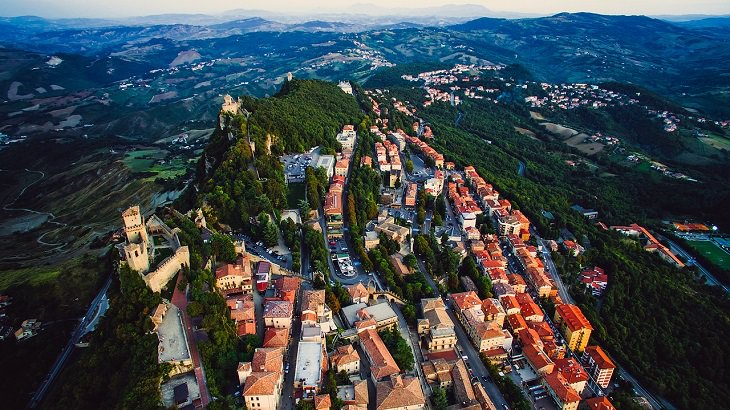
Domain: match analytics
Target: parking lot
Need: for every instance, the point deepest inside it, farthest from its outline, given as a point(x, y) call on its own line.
point(295, 165)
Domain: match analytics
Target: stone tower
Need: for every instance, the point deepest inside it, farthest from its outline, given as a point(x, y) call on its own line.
point(134, 225)
point(136, 249)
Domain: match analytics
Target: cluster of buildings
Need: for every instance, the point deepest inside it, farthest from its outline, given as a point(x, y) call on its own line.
point(456, 78)
point(571, 96)
point(387, 156)
point(650, 243)
point(427, 151)
point(594, 279)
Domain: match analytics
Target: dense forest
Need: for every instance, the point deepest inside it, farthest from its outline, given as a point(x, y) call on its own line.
point(238, 184)
point(119, 370)
point(660, 322)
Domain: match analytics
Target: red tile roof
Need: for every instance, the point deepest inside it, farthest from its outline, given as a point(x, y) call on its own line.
point(573, 317)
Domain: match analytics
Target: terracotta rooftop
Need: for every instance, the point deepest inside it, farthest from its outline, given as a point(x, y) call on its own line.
point(287, 283)
point(600, 357)
point(561, 388)
point(466, 300)
point(267, 360)
point(358, 290)
point(382, 363)
point(344, 355)
point(399, 392)
point(573, 317)
point(322, 402)
point(260, 384)
point(276, 337)
point(571, 370)
point(313, 300)
point(599, 403)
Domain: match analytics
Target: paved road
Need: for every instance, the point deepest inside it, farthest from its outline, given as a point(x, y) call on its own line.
point(75, 337)
point(464, 342)
point(180, 299)
point(677, 249)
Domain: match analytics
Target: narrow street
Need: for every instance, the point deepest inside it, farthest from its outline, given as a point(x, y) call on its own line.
point(180, 299)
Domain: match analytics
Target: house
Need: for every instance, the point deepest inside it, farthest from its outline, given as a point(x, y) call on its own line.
point(537, 359)
point(276, 337)
point(399, 393)
point(573, 325)
point(287, 287)
point(410, 198)
point(341, 167)
point(392, 230)
point(263, 274)
point(358, 293)
point(382, 315)
point(399, 267)
point(493, 311)
point(559, 389)
point(28, 329)
point(436, 327)
point(235, 276)
point(382, 364)
point(243, 312)
point(346, 359)
point(572, 248)
point(594, 279)
point(573, 373)
point(263, 378)
point(598, 365)
point(371, 240)
point(322, 402)
point(314, 310)
point(278, 314)
point(437, 372)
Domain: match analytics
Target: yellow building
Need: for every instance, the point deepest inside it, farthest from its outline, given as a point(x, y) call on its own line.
point(573, 325)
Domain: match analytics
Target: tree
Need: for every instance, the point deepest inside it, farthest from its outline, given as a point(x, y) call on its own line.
point(411, 261)
point(439, 399)
point(409, 166)
point(398, 348)
point(222, 248)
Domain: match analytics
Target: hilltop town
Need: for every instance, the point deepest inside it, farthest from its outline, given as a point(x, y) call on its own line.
point(330, 259)
point(355, 333)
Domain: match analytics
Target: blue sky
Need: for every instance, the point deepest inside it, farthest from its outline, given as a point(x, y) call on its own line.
point(126, 8)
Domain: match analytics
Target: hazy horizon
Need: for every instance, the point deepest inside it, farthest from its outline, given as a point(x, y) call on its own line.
point(133, 8)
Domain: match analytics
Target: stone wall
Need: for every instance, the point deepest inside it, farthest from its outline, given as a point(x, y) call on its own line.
point(158, 278)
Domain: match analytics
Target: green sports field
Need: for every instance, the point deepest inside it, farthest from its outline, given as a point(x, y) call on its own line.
point(712, 252)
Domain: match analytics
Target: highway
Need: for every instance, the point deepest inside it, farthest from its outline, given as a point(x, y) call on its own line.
point(678, 250)
point(75, 337)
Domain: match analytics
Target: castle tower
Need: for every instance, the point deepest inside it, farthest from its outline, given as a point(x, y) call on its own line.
point(137, 257)
point(134, 225)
